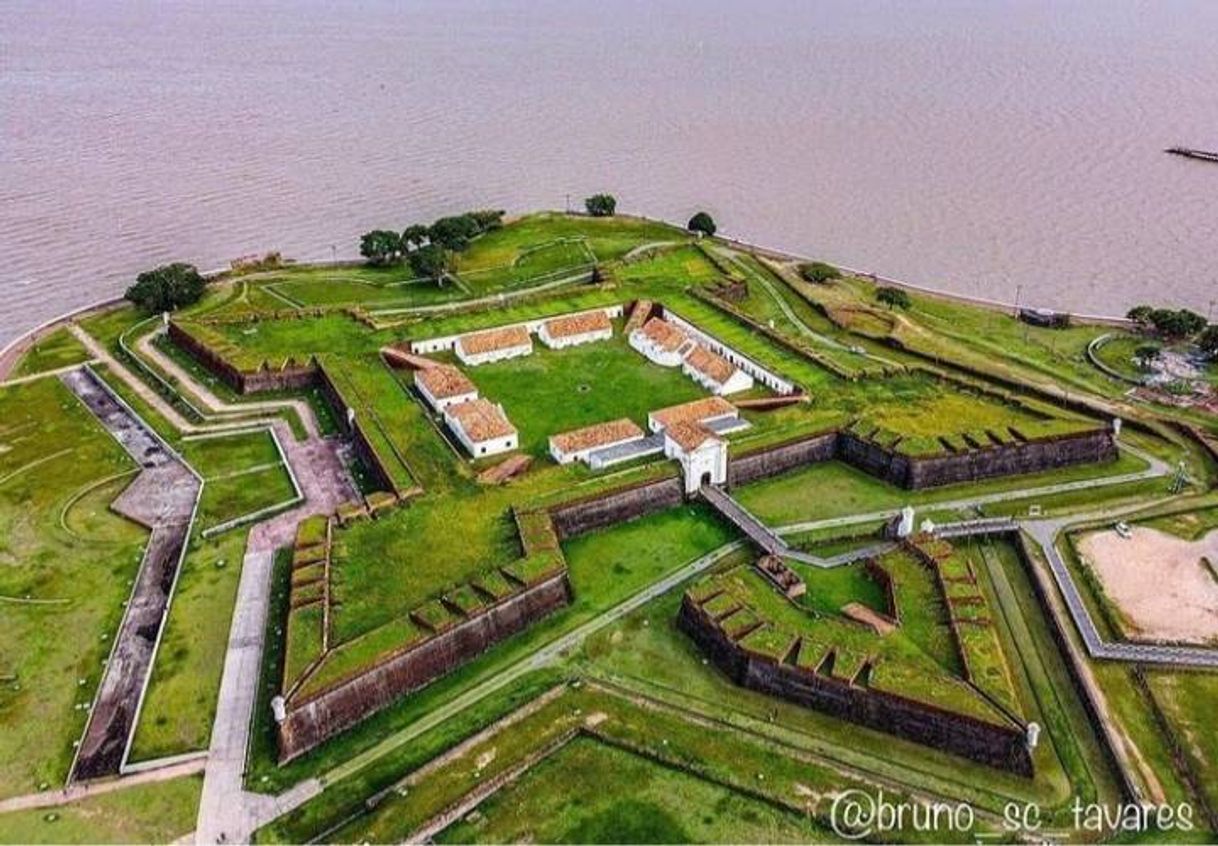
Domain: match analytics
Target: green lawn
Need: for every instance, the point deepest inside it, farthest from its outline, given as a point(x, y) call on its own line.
point(180, 704)
point(160, 812)
point(66, 568)
point(589, 792)
point(57, 349)
point(829, 590)
point(230, 497)
point(224, 455)
point(553, 391)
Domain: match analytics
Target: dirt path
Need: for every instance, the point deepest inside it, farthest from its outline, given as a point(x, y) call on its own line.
point(52, 798)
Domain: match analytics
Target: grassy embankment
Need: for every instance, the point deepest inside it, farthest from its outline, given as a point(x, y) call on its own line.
point(68, 566)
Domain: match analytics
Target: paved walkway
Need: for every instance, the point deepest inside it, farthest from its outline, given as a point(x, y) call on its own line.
point(1045, 533)
point(83, 790)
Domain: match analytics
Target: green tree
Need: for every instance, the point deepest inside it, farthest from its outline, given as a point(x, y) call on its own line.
point(1176, 324)
point(414, 236)
point(381, 246)
point(702, 222)
point(430, 261)
point(819, 271)
point(488, 219)
point(1208, 340)
point(1140, 315)
point(893, 297)
point(601, 205)
point(167, 288)
point(454, 233)
point(1147, 354)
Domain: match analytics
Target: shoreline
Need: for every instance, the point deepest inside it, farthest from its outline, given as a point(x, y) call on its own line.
point(11, 352)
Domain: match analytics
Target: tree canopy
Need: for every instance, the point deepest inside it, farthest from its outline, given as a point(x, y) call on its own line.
point(893, 297)
point(819, 271)
point(167, 288)
point(381, 246)
point(601, 205)
point(1167, 322)
point(702, 222)
point(430, 261)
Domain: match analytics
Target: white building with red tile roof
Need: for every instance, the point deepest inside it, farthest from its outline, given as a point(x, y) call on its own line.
point(444, 385)
point(482, 427)
point(709, 411)
point(573, 329)
point(580, 444)
point(493, 345)
point(661, 342)
point(701, 453)
point(714, 372)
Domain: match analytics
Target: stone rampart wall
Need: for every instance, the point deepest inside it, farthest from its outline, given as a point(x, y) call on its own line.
point(1011, 460)
point(313, 720)
point(780, 458)
point(576, 518)
point(994, 745)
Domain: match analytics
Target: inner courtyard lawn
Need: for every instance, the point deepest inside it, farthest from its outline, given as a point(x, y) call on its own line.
point(553, 391)
point(66, 567)
point(591, 792)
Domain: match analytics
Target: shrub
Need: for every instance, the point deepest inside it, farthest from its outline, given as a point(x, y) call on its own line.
point(601, 205)
point(819, 271)
point(429, 261)
point(167, 288)
point(702, 222)
point(893, 297)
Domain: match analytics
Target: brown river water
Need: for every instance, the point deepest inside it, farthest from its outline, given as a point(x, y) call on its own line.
point(974, 146)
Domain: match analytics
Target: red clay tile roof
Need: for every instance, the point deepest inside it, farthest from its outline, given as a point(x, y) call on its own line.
point(710, 364)
point(664, 334)
point(578, 324)
point(481, 420)
point(694, 412)
point(598, 435)
point(444, 381)
point(689, 436)
point(494, 339)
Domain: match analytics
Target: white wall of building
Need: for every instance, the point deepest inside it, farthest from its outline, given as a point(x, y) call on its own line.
point(766, 377)
point(573, 340)
point(448, 342)
point(501, 354)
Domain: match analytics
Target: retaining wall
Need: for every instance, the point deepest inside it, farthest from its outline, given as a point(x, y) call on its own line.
point(295, 377)
point(917, 473)
point(596, 512)
point(311, 721)
point(986, 743)
point(360, 445)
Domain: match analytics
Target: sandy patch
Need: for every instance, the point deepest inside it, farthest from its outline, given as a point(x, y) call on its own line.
point(595, 719)
point(860, 613)
point(1158, 581)
point(485, 759)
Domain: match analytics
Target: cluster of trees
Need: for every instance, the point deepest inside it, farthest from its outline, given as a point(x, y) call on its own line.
point(167, 288)
point(1173, 325)
point(1176, 324)
point(819, 271)
point(428, 249)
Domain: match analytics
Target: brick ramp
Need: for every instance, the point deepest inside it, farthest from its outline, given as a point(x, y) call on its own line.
point(163, 498)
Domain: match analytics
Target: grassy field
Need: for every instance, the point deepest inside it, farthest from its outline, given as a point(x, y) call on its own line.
point(834, 489)
point(66, 568)
point(180, 704)
point(160, 812)
point(57, 349)
point(553, 391)
point(589, 792)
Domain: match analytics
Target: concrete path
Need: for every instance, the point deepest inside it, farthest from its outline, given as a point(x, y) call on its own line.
point(34, 377)
point(1045, 533)
point(145, 347)
point(76, 792)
